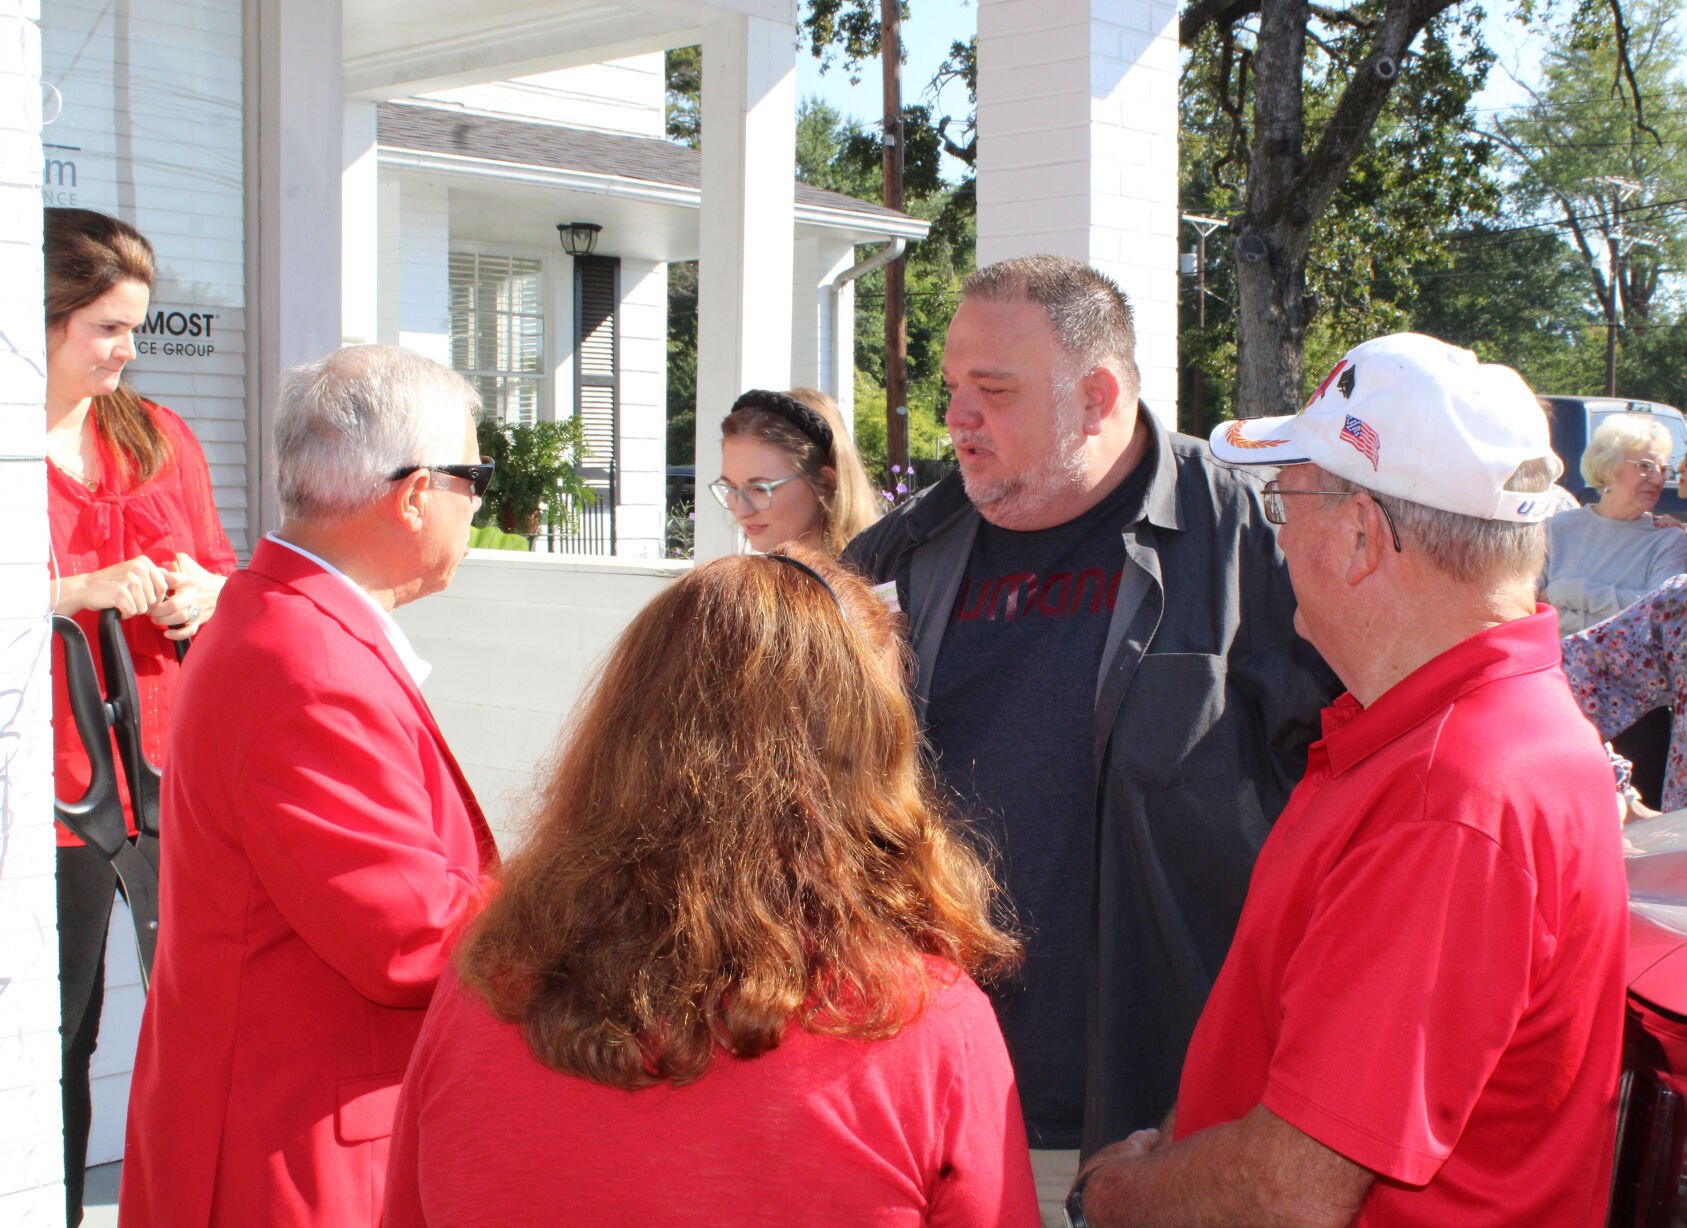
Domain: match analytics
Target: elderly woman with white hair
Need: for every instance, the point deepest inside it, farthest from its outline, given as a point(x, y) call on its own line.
point(1604, 557)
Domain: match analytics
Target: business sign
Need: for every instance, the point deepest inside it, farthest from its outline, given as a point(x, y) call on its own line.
point(142, 118)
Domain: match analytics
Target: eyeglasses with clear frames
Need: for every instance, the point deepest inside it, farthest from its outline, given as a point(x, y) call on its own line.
point(757, 496)
point(1277, 514)
point(1648, 467)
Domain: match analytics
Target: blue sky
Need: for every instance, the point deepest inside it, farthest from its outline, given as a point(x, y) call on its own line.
point(934, 24)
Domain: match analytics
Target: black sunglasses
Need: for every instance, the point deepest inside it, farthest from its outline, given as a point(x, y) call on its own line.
point(478, 476)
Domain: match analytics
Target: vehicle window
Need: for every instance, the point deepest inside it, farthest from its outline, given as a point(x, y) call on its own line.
point(1671, 418)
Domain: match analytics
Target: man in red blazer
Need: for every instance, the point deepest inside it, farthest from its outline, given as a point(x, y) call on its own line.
point(321, 847)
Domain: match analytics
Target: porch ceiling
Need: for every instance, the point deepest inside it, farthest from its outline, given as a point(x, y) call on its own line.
point(394, 48)
point(512, 181)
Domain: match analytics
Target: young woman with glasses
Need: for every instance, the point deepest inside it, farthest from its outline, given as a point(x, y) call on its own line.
point(134, 529)
point(727, 979)
point(790, 472)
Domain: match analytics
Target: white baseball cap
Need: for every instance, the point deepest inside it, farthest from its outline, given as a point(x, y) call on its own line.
point(1416, 418)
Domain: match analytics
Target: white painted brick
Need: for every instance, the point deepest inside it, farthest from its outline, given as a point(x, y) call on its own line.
point(1109, 198)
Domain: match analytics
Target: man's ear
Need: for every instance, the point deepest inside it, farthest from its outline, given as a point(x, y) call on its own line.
point(1100, 390)
point(407, 500)
point(1370, 538)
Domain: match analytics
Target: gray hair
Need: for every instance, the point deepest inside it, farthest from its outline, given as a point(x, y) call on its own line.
point(1469, 548)
point(1090, 315)
point(347, 422)
point(1616, 437)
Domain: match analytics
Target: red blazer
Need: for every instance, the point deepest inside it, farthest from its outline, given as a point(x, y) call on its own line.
point(321, 852)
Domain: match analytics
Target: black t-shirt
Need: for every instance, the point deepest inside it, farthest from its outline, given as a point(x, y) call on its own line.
point(1011, 717)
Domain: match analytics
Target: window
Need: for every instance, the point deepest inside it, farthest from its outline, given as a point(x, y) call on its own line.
point(498, 331)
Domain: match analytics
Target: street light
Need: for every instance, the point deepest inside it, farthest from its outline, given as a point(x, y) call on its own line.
point(1204, 226)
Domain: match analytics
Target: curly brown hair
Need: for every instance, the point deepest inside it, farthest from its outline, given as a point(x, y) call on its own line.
point(739, 835)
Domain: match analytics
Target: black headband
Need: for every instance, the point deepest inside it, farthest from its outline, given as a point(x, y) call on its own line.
point(792, 410)
point(808, 571)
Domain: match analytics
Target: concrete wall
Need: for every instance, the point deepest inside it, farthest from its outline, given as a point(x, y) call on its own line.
point(512, 642)
point(31, 1168)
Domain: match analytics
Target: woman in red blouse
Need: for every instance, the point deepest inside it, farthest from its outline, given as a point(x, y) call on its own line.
point(133, 529)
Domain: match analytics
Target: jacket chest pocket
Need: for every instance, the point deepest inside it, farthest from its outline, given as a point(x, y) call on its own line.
point(1173, 729)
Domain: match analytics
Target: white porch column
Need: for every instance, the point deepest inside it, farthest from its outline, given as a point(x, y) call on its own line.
point(296, 132)
point(1077, 104)
point(745, 264)
point(31, 1153)
point(414, 263)
point(359, 227)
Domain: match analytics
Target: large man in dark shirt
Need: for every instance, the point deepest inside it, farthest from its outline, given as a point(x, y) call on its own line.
point(1110, 681)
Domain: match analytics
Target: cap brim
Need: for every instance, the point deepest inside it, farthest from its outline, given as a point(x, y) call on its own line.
point(1257, 441)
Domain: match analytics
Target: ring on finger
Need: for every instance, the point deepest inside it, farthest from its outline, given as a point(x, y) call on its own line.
point(192, 613)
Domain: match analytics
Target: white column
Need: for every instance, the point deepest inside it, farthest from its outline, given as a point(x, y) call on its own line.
point(745, 263)
point(293, 207)
point(641, 444)
point(359, 227)
point(1077, 104)
point(31, 1154)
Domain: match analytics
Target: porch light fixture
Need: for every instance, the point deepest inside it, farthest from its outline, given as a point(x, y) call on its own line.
point(578, 238)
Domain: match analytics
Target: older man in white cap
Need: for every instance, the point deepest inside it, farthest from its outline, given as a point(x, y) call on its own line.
point(1420, 1019)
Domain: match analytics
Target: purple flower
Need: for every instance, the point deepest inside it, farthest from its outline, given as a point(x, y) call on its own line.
point(902, 488)
point(896, 468)
point(691, 515)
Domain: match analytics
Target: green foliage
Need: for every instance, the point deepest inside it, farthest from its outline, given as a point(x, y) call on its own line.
point(538, 471)
point(1607, 166)
point(1424, 170)
point(682, 362)
point(843, 30)
point(683, 69)
point(928, 439)
point(680, 535)
point(1515, 295)
point(491, 537)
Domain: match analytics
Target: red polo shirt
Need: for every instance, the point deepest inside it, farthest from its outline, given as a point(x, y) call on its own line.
point(1428, 972)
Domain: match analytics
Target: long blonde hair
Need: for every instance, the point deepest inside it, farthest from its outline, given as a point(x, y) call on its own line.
point(848, 502)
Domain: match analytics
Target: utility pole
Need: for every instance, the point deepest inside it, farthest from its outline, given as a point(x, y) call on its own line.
point(1204, 226)
point(896, 325)
point(1616, 249)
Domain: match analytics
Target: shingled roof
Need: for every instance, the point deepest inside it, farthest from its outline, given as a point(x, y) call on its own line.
point(463, 134)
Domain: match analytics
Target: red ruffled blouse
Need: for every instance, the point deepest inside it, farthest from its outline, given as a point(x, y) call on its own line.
point(171, 513)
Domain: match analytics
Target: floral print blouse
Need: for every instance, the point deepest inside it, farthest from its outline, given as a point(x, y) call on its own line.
point(1624, 667)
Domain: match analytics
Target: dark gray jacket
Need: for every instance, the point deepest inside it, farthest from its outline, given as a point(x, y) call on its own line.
point(1205, 704)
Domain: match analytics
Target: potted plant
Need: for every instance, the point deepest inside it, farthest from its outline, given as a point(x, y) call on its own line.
point(537, 470)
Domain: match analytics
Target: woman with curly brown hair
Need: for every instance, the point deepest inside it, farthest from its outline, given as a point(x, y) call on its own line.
point(728, 978)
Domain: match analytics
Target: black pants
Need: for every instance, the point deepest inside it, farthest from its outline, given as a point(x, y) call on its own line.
point(86, 886)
